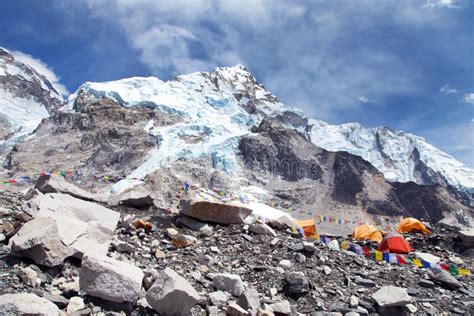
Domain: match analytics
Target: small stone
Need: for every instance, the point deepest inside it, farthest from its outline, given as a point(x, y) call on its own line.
point(235, 310)
point(274, 241)
point(285, 264)
point(231, 283)
point(353, 301)
point(171, 232)
point(219, 298)
point(412, 291)
point(364, 282)
point(300, 257)
point(308, 246)
point(426, 283)
point(214, 249)
point(249, 299)
point(296, 283)
point(327, 270)
point(124, 247)
point(262, 228)
point(389, 296)
point(159, 254)
point(183, 241)
point(282, 307)
point(411, 308)
point(28, 276)
point(76, 303)
point(205, 260)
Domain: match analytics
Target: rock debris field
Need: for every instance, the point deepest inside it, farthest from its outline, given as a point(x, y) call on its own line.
point(65, 253)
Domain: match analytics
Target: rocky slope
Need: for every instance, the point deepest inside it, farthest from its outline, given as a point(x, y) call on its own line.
point(157, 264)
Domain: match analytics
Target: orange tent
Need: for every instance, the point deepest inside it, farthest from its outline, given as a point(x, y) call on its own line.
point(394, 242)
point(309, 228)
point(367, 232)
point(410, 224)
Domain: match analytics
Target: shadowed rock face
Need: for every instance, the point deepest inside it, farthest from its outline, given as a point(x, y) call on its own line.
point(338, 176)
point(281, 151)
point(101, 138)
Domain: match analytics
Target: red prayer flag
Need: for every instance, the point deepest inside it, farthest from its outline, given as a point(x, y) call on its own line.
point(401, 260)
point(366, 251)
point(444, 267)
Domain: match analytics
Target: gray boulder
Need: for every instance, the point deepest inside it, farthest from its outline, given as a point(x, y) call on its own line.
point(389, 296)
point(216, 212)
point(110, 279)
point(194, 224)
point(137, 197)
point(54, 184)
point(39, 240)
point(443, 277)
point(467, 236)
point(249, 300)
point(171, 294)
point(296, 283)
point(26, 304)
point(231, 283)
point(262, 229)
point(74, 227)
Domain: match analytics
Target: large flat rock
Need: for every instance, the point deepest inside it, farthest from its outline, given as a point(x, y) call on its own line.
point(55, 184)
point(216, 212)
point(80, 226)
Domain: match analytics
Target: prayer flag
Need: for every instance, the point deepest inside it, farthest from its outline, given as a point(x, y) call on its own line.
point(453, 271)
point(366, 251)
point(417, 262)
point(378, 255)
point(464, 272)
point(386, 256)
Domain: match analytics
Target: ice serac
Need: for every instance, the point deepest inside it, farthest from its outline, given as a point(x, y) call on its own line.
point(26, 97)
point(400, 156)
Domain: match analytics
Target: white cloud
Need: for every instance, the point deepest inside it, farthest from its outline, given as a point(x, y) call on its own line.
point(468, 98)
point(363, 99)
point(447, 89)
point(450, 4)
point(295, 48)
point(43, 69)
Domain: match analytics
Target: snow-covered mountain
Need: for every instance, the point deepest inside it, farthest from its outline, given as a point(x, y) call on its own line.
point(400, 156)
point(224, 130)
point(219, 107)
point(26, 97)
point(214, 109)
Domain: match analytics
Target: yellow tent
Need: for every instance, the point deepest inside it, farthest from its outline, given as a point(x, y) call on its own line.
point(366, 231)
point(309, 228)
point(410, 224)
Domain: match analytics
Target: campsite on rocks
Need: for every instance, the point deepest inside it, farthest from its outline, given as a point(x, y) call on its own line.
point(206, 194)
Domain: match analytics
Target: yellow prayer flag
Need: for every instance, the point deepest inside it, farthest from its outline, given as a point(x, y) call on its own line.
point(464, 272)
point(378, 255)
point(417, 262)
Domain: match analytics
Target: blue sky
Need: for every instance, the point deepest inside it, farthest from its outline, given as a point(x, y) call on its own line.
point(403, 64)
